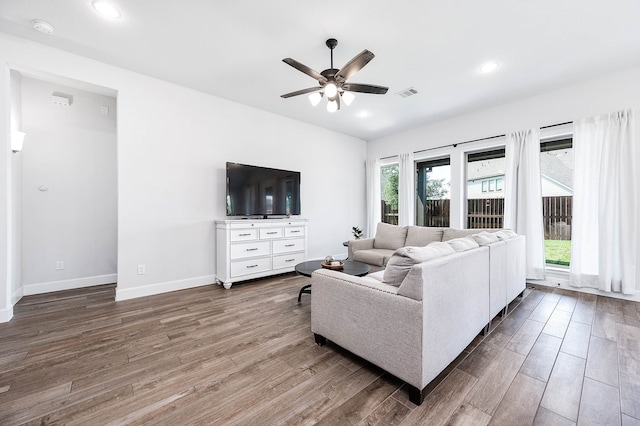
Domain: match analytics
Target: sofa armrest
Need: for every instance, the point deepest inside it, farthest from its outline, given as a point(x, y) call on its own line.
point(361, 244)
point(377, 325)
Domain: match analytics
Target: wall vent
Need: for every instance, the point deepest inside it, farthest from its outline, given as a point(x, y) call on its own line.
point(407, 92)
point(61, 99)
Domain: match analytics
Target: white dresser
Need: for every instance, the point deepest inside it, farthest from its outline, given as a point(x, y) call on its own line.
point(247, 249)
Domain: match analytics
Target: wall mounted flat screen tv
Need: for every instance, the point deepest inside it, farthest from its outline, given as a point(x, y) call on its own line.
point(262, 191)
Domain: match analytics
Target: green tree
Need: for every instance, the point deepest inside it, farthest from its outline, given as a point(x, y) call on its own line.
point(390, 188)
point(436, 189)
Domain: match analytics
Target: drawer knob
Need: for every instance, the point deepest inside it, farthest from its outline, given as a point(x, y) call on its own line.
point(252, 249)
point(252, 266)
point(289, 245)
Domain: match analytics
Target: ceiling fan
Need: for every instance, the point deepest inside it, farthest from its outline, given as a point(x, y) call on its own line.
point(333, 82)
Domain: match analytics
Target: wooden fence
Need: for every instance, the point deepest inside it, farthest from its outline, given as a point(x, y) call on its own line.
point(436, 213)
point(489, 213)
point(389, 215)
point(556, 215)
point(485, 213)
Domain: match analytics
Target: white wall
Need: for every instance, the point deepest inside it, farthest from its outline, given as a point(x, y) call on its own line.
point(173, 144)
point(71, 150)
point(16, 192)
point(613, 92)
point(6, 307)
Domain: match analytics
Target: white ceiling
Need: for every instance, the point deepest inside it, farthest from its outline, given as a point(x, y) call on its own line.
point(234, 49)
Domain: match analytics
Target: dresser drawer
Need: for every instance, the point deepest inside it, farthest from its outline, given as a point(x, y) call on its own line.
point(287, 260)
point(250, 266)
point(254, 249)
point(266, 233)
point(287, 246)
point(244, 235)
point(294, 231)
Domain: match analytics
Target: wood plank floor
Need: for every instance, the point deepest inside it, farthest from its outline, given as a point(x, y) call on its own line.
point(246, 356)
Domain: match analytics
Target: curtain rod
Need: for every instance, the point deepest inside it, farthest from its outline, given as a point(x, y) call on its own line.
point(474, 140)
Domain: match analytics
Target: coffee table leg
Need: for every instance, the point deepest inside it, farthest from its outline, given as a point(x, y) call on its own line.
point(305, 289)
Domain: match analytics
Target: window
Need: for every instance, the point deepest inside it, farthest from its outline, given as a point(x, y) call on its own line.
point(556, 174)
point(389, 193)
point(432, 192)
point(485, 194)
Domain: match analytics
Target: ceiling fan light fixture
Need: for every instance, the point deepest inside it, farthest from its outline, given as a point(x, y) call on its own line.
point(331, 90)
point(348, 97)
point(332, 106)
point(315, 98)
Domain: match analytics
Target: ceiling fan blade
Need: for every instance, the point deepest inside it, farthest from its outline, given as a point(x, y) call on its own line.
point(305, 69)
point(354, 65)
point(301, 92)
point(365, 88)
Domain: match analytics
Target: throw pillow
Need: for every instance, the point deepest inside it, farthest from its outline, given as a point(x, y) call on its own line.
point(463, 244)
point(443, 248)
point(403, 260)
point(506, 234)
point(484, 238)
point(389, 237)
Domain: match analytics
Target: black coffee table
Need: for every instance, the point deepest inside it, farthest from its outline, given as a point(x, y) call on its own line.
point(351, 267)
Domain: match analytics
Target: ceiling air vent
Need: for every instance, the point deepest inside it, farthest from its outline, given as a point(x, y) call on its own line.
point(407, 92)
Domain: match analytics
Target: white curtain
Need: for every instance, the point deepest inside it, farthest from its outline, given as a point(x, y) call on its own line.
point(605, 206)
point(374, 215)
point(523, 196)
point(406, 190)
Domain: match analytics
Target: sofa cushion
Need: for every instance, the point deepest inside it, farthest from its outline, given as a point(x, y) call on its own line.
point(378, 257)
point(420, 236)
point(443, 248)
point(506, 234)
point(403, 260)
point(377, 275)
point(483, 238)
point(463, 244)
point(390, 237)
point(451, 233)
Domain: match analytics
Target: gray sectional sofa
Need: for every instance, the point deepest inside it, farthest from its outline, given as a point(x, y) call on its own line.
point(417, 315)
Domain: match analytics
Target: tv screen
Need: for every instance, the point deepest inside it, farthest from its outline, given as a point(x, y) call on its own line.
point(254, 190)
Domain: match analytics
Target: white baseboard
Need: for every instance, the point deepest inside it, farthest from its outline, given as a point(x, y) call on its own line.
point(559, 278)
point(6, 314)
point(164, 287)
point(16, 296)
point(39, 288)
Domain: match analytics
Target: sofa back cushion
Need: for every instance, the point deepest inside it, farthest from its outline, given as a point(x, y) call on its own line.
point(420, 236)
point(483, 238)
point(390, 237)
point(403, 260)
point(463, 244)
point(506, 234)
point(451, 233)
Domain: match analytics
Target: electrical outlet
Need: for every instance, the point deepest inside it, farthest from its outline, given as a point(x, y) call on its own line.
point(142, 269)
point(59, 265)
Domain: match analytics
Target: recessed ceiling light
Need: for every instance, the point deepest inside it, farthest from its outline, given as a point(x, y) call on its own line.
point(106, 9)
point(42, 26)
point(488, 67)
point(364, 114)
